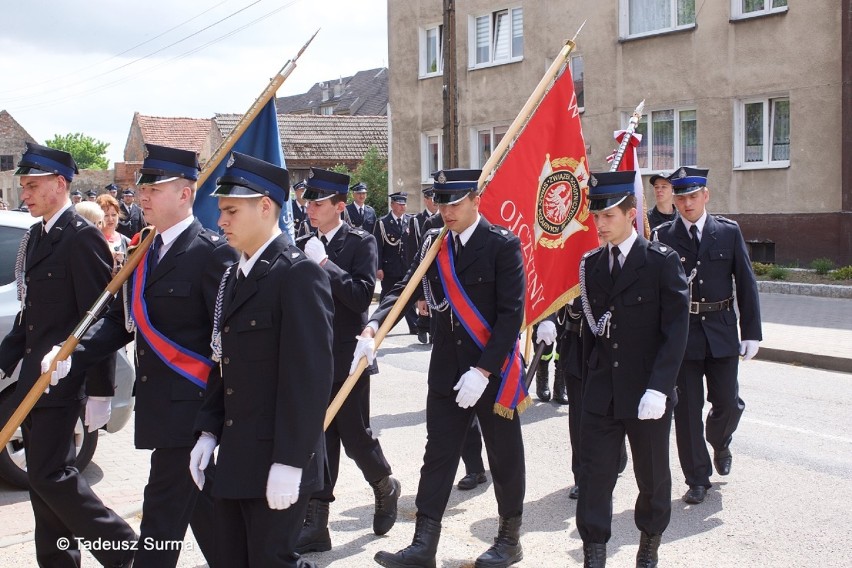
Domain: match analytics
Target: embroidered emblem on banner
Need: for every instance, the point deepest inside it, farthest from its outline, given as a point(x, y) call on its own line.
point(558, 213)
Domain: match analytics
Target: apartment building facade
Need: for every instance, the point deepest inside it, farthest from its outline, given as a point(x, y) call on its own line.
point(756, 90)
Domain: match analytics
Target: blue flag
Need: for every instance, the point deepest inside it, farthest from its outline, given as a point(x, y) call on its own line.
point(260, 140)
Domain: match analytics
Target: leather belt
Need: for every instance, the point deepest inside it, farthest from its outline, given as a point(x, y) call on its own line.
point(572, 327)
point(701, 307)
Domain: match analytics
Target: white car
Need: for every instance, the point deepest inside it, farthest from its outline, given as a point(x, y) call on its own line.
point(13, 460)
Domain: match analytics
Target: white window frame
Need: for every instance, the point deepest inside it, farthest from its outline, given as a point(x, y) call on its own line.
point(648, 139)
point(471, 43)
point(738, 14)
point(424, 73)
point(425, 170)
point(474, 140)
point(739, 134)
point(624, 22)
point(326, 110)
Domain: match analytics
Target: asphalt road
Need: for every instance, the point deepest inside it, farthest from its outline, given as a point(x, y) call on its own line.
point(784, 504)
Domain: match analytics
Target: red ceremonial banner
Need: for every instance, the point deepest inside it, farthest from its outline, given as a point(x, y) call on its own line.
point(539, 193)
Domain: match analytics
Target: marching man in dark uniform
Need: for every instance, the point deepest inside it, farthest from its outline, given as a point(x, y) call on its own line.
point(418, 221)
point(713, 251)
point(348, 256)
point(63, 265)
point(635, 301)
point(361, 215)
point(664, 209)
point(471, 373)
point(416, 231)
point(131, 220)
point(272, 337)
point(301, 223)
point(471, 454)
point(391, 233)
point(171, 321)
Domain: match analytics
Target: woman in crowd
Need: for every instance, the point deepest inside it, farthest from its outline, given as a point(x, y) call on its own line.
point(117, 241)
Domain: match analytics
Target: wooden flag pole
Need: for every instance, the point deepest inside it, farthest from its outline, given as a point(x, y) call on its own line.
point(529, 107)
point(252, 113)
point(386, 326)
point(414, 281)
point(133, 260)
point(91, 316)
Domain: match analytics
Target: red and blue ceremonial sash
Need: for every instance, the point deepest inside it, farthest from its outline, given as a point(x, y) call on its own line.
point(182, 361)
point(513, 392)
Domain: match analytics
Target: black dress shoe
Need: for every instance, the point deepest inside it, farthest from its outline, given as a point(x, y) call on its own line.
point(722, 460)
point(423, 337)
point(471, 481)
point(574, 492)
point(695, 495)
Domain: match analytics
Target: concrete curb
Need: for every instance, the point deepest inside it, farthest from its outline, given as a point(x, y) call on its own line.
point(797, 288)
point(825, 362)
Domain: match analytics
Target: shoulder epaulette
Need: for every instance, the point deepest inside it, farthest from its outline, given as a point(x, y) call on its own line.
point(722, 219)
point(660, 248)
point(593, 251)
point(662, 225)
point(359, 232)
point(502, 231)
point(211, 237)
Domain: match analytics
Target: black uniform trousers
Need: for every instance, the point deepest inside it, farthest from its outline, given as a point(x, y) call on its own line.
point(388, 282)
point(251, 535)
point(446, 427)
point(351, 428)
point(172, 502)
point(722, 420)
point(601, 443)
point(574, 388)
point(472, 450)
point(63, 504)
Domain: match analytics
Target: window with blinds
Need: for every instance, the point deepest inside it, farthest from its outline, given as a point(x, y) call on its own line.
point(497, 37)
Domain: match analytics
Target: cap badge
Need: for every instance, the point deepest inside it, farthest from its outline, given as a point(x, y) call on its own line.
point(442, 178)
point(593, 181)
point(681, 173)
point(310, 173)
point(231, 161)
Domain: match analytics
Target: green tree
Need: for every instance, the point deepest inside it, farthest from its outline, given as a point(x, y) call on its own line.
point(373, 171)
point(88, 152)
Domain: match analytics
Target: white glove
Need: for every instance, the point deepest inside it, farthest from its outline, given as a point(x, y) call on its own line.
point(62, 367)
point(200, 456)
point(652, 406)
point(470, 386)
point(315, 250)
point(282, 485)
point(546, 332)
point(366, 348)
point(98, 411)
point(748, 348)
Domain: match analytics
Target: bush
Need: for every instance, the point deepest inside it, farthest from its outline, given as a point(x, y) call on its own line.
point(778, 272)
point(822, 266)
point(760, 269)
point(843, 273)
